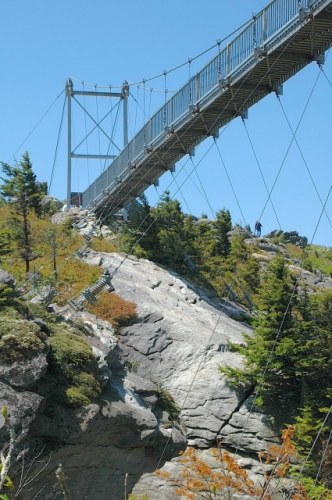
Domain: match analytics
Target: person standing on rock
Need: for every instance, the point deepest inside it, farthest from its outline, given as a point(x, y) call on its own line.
point(258, 228)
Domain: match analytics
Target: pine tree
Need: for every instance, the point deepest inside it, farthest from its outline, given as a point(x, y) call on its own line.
point(268, 352)
point(25, 194)
point(222, 225)
point(169, 223)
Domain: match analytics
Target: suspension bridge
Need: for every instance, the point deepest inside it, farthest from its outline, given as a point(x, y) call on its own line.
point(274, 45)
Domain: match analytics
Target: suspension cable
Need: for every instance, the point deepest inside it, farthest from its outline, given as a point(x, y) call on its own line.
point(87, 144)
point(299, 148)
point(260, 170)
point(199, 180)
point(57, 145)
point(34, 128)
point(229, 180)
point(289, 147)
point(217, 44)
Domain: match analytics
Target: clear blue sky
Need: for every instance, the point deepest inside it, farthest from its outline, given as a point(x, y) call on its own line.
point(105, 42)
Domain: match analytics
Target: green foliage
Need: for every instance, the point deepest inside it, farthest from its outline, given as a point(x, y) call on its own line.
point(222, 225)
point(40, 311)
point(167, 403)
point(74, 275)
point(7, 294)
point(312, 257)
point(20, 340)
point(86, 389)
point(289, 355)
point(25, 194)
point(114, 309)
point(102, 245)
point(6, 245)
point(70, 354)
point(131, 365)
point(76, 397)
point(274, 319)
point(134, 497)
point(71, 357)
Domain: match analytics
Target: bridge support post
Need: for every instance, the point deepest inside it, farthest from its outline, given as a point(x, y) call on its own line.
point(125, 95)
point(69, 93)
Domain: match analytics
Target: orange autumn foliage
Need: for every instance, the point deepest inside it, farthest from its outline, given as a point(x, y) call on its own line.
point(113, 308)
point(199, 480)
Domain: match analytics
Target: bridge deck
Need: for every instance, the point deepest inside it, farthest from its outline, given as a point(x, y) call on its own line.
point(274, 46)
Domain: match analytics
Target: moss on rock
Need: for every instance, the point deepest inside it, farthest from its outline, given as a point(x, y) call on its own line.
point(20, 340)
point(71, 354)
point(72, 358)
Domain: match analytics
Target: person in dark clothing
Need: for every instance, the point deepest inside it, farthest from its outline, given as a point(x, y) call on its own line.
point(258, 228)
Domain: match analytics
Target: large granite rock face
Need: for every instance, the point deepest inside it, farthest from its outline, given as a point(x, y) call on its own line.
point(179, 342)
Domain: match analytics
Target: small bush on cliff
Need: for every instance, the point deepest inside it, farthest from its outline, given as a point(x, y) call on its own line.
point(167, 403)
point(72, 358)
point(114, 309)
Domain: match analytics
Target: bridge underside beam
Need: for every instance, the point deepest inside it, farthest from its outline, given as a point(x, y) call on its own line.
point(264, 72)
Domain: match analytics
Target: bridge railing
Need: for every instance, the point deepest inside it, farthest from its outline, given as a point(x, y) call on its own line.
point(261, 32)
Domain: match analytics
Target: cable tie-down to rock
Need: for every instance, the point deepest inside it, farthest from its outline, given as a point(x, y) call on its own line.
point(92, 293)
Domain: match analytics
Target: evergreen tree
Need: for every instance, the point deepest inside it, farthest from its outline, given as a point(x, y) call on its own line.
point(289, 356)
point(138, 212)
point(313, 361)
point(222, 225)
point(5, 242)
point(274, 330)
point(25, 194)
point(169, 223)
point(140, 239)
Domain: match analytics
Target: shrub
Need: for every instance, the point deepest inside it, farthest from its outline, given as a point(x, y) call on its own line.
point(75, 397)
point(70, 354)
point(131, 365)
point(74, 276)
point(167, 403)
point(114, 309)
point(72, 357)
point(103, 245)
point(87, 385)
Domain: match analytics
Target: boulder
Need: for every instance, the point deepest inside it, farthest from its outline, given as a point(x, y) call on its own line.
point(289, 237)
point(23, 408)
point(23, 352)
point(51, 202)
point(7, 279)
point(44, 296)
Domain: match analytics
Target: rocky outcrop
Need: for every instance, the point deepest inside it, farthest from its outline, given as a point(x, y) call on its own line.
point(289, 237)
point(84, 220)
point(51, 203)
